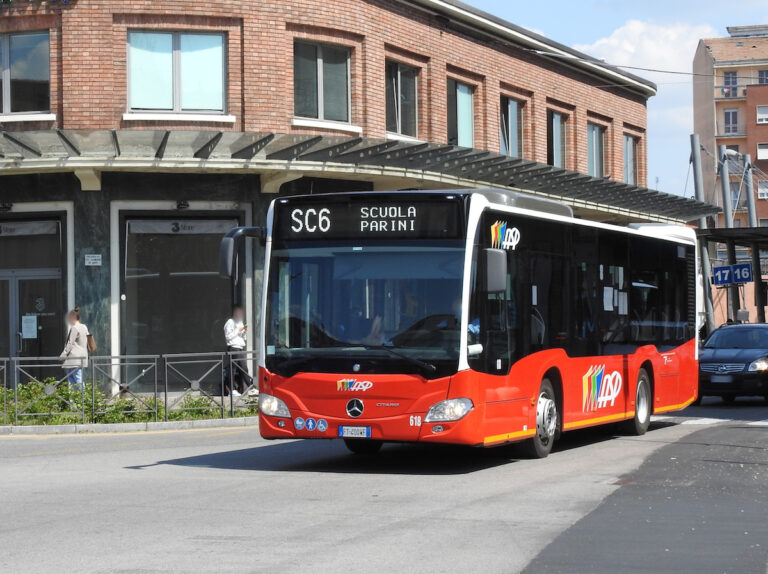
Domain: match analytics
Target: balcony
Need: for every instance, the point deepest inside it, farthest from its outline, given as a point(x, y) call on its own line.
point(737, 92)
point(729, 130)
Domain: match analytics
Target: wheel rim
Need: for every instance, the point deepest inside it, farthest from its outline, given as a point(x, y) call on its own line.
point(643, 406)
point(546, 418)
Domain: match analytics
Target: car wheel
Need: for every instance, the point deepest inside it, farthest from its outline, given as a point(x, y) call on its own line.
point(639, 424)
point(363, 446)
point(547, 423)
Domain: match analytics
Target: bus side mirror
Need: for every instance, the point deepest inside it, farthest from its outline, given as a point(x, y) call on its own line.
point(495, 261)
point(229, 247)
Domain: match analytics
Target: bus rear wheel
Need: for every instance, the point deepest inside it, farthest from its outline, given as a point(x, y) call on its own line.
point(547, 421)
point(363, 446)
point(639, 424)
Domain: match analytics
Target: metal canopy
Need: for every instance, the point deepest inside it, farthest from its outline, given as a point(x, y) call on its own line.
point(332, 156)
point(739, 236)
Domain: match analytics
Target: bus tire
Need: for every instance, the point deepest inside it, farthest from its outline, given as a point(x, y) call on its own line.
point(547, 422)
point(363, 446)
point(639, 424)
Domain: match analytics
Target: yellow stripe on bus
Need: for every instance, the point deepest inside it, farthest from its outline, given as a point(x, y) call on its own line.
point(674, 407)
point(508, 436)
point(598, 420)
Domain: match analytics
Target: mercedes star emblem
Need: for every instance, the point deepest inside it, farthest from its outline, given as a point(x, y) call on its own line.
point(355, 408)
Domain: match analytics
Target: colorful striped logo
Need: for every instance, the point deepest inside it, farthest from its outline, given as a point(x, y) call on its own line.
point(599, 389)
point(498, 232)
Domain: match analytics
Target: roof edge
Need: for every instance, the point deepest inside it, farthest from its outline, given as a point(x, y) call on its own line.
point(494, 25)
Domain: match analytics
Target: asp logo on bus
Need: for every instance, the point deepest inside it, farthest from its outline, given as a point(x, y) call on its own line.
point(600, 389)
point(353, 385)
point(503, 236)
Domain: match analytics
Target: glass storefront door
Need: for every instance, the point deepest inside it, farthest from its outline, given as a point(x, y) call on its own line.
point(34, 325)
point(31, 288)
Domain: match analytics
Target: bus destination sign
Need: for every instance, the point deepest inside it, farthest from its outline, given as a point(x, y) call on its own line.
point(416, 219)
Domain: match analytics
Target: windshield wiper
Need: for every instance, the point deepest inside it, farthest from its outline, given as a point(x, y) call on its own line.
point(429, 367)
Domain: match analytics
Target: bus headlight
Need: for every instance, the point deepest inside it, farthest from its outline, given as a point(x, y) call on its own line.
point(273, 407)
point(450, 410)
point(759, 365)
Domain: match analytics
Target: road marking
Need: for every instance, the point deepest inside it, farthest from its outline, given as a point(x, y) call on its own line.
point(763, 423)
point(705, 421)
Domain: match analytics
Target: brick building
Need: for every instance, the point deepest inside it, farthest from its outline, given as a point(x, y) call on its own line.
point(134, 134)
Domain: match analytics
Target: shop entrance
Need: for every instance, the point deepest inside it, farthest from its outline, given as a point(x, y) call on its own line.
point(35, 321)
point(31, 289)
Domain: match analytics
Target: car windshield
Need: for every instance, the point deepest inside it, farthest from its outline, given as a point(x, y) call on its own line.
point(389, 307)
point(739, 338)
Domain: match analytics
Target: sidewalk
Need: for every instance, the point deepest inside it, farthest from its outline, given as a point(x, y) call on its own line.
point(128, 427)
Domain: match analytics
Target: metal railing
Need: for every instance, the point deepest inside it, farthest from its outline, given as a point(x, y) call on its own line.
point(239, 369)
point(4, 388)
point(42, 383)
point(137, 387)
point(117, 378)
point(200, 376)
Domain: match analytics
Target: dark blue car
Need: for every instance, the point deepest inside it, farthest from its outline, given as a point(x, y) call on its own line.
point(734, 362)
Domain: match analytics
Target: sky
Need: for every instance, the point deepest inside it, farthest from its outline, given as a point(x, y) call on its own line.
point(659, 34)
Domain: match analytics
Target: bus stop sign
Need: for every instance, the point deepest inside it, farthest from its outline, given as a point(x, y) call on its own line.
point(732, 274)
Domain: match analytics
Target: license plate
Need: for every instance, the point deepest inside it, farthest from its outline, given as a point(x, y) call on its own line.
point(355, 432)
point(722, 379)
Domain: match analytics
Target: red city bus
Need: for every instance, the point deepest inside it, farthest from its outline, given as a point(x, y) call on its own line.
point(476, 317)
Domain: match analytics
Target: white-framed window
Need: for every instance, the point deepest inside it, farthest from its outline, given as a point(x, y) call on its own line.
point(763, 222)
point(762, 151)
point(762, 114)
point(731, 117)
point(176, 71)
point(730, 84)
point(556, 138)
point(762, 76)
point(321, 81)
point(402, 99)
point(631, 145)
point(25, 73)
point(595, 150)
point(461, 114)
point(511, 127)
point(762, 190)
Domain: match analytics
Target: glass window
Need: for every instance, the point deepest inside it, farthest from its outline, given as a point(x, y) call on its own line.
point(595, 150)
point(25, 84)
point(174, 300)
point(730, 84)
point(762, 77)
point(511, 127)
point(176, 72)
point(763, 222)
point(321, 81)
point(762, 151)
point(461, 114)
point(630, 159)
point(556, 138)
point(762, 190)
point(731, 117)
point(402, 99)
point(762, 114)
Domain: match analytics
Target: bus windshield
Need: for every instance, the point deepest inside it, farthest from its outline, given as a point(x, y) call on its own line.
point(375, 308)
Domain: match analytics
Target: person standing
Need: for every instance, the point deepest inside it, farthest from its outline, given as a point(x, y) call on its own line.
point(74, 357)
point(235, 334)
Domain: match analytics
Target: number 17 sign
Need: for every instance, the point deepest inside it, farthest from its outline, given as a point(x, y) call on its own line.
point(732, 274)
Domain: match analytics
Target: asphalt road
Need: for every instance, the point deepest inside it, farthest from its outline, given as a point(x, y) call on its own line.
point(690, 496)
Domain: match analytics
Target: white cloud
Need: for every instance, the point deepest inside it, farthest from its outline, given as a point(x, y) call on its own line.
point(670, 116)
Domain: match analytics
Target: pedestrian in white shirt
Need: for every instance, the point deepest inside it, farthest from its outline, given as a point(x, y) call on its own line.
point(74, 357)
point(235, 334)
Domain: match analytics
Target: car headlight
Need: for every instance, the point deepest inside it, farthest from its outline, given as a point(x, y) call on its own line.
point(450, 410)
point(759, 365)
point(273, 407)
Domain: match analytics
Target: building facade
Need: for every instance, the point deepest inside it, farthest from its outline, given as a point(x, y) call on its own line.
point(133, 135)
point(730, 96)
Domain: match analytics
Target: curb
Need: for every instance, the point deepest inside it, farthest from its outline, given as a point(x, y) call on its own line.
point(128, 427)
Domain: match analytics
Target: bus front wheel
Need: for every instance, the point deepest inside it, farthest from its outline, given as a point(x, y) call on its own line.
point(643, 405)
point(547, 419)
point(363, 446)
